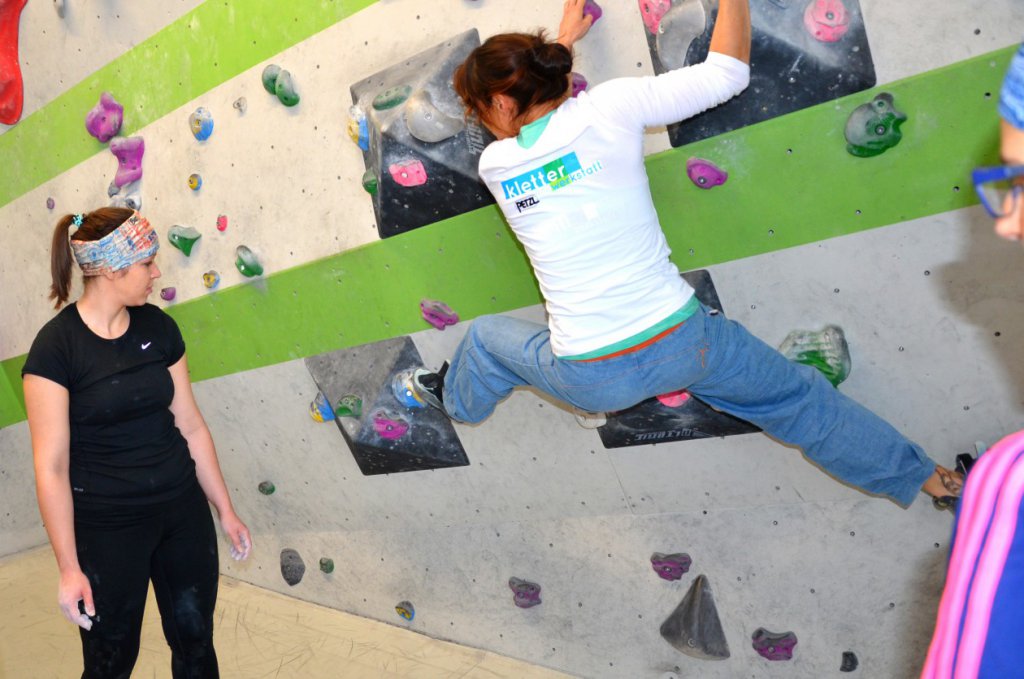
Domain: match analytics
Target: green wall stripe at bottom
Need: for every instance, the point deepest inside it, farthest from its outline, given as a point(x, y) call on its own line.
point(791, 182)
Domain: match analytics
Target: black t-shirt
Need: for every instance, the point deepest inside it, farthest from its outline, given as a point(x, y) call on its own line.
point(125, 447)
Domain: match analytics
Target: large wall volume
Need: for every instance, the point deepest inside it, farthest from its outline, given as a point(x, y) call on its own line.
point(894, 249)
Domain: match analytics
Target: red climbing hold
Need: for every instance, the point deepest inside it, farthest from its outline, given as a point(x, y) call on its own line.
point(12, 91)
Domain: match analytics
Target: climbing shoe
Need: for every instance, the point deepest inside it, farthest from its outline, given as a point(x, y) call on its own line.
point(429, 386)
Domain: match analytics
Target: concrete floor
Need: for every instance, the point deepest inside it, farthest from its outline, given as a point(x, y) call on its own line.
point(258, 634)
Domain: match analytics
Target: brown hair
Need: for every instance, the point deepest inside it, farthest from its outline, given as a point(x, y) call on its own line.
point(523, 66)
point(95, 225)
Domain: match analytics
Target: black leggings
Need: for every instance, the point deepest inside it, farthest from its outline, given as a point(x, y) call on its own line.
point(121, 549)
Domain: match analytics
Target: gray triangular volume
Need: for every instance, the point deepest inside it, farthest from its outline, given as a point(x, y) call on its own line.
point(694, 627)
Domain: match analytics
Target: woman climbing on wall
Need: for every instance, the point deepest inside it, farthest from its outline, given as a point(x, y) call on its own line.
point(124, 461)
point(623, 326)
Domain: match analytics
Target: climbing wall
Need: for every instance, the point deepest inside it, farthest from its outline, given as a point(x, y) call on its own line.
point(802, 234)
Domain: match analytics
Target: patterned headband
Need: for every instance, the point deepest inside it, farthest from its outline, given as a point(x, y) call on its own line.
point(133, 241)
point(1011, 101)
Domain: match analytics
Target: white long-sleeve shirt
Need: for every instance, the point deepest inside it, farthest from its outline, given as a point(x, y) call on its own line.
point(578, 200)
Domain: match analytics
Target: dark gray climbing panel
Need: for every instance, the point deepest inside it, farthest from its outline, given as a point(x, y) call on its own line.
point(694, 627)
point(803, 52)
point(652, 421)
point(421, 151)
point(385, 437)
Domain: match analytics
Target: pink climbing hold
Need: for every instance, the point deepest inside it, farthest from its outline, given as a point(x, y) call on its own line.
point(129, 159)
point(826, 20)
point(12, 89)
point(389, 426)
point(408, 173)
point(705, 174)
point(579, 84)
point(674, 399)
point(222, 223)
point(105, 118)
point(593, 10)
point(438, 314)
point(652, 11)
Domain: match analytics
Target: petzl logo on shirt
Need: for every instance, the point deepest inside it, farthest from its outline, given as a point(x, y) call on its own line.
point(556, 174)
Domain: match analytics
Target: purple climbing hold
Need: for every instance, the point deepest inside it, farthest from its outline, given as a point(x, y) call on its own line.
point(670, 566)
point(50, 204)
point(579, 83)
point(704, 174)
point(104, 120)
point(526, 594)
point(129, 159)
point(168, 294)
point(438, 314)
point(593, 10)
point(389, 426)
point(774, 646)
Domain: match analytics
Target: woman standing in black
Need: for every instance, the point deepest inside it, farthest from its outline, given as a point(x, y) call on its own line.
point(125, 464)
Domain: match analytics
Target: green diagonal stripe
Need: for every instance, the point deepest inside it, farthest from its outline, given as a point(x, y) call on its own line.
point(791, 180)
point(204, 48)
point(790, 176)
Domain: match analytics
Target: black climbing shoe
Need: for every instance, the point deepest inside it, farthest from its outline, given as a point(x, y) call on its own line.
point(430, 386)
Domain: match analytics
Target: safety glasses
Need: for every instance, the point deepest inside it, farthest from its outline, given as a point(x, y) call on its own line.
point(999, 188)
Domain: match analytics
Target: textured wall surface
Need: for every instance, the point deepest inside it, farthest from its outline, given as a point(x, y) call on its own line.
point(932, 308)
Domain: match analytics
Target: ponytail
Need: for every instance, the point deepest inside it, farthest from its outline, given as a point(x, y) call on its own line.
point(60, 262)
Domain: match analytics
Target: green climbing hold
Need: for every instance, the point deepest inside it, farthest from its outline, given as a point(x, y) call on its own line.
point(270, 74)
point(266, 487)
point(350, 405)
point(246, 262)
point(183, 238)
point(826, 351)
point(285, 89)
point(873, 128)
point(370, 182)
point(326, 565)
point(391, 97)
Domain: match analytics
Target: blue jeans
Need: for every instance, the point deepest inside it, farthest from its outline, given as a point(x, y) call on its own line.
point(718, 361)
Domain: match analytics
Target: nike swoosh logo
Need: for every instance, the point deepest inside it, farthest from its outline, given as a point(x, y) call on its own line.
point(146, 346)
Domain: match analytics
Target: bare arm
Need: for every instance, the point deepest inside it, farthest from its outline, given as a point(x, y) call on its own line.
point(574, 24)
point(731, 35)
point(193, 427)
point(47, 404)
